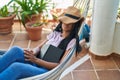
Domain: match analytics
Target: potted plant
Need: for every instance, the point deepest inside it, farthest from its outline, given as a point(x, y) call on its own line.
point(6, 20)
point(34, 30)
point(118, 14)
point(31, 10)
point(30, 14)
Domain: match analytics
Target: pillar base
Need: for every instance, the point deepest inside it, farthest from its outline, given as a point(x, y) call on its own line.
point(103, 57)
point(97, 57)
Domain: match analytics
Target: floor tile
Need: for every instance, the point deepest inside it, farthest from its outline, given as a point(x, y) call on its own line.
point(84, 75)
point(17, 26)
point(7, 37)
point(109, 75)
point(21, 40)
point(104, 64)
point(21, 37)
point(4, 45)
point(85, 66)
point(117, 60)
point(23, 44)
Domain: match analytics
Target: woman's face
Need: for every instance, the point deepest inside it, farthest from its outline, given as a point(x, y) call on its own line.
point(67, 27)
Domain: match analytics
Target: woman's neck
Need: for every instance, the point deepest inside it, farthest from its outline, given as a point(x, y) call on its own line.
point(65, 34)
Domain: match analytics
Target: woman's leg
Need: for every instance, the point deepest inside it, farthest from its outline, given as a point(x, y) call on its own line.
point(12, 55)
point(2, 52)
point(19, 70)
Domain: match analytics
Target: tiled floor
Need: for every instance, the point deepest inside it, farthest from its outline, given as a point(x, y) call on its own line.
point(92, 69)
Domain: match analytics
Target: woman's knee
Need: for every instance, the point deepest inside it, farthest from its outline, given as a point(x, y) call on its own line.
point(16, 48)
point(15, 52)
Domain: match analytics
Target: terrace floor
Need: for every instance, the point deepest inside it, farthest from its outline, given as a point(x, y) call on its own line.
point(92, 69)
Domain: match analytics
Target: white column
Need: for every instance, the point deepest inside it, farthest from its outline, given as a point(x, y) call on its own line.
point(104, 18)
point(116, 40)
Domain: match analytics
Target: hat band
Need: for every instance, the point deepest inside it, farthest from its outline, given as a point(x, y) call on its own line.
point(72, 16)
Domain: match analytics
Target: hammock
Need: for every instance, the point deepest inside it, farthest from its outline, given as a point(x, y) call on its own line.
point(55, 73)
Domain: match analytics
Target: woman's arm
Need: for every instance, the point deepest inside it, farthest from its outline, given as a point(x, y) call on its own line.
point(29, 56)
point(48, 65)
point(37, 49)
point(51, 65)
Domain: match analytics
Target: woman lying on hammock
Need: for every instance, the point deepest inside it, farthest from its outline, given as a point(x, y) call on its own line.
point(17, 63)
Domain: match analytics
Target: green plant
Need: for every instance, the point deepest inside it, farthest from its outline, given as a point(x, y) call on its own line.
point(36, 24)
point(30, 7)
point(5, 13)
point(118, 15)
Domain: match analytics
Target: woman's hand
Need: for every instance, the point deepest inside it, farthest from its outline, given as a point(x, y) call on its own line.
point(29, 56)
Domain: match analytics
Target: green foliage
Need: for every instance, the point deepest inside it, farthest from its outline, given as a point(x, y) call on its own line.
point(118, 15)
point(30, 7)
point(37, 24)
point(4, 11)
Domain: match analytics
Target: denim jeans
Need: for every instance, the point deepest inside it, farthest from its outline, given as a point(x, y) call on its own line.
point(85, 33)
point(13, 65)
point(2, 52)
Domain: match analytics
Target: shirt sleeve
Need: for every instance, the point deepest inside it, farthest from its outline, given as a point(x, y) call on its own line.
point(71, 44)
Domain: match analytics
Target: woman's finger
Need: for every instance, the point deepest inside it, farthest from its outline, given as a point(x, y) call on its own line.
point(28, 52)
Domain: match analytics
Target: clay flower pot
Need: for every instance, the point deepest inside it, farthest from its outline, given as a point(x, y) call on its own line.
point(34, 32)
point(6, 24)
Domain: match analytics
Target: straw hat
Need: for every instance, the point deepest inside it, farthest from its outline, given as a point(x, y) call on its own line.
point(71, 15)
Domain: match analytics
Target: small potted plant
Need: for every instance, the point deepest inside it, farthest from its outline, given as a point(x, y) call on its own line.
point(34, 30)
point(31, 9)
point(6, 20)
point(30, 14)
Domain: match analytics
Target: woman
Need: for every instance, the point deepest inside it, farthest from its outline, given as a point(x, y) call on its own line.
point(17, 63)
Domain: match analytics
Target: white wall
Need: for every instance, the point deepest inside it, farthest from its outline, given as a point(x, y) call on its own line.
point(59, 3)
point(63, 3)
point(3, 2)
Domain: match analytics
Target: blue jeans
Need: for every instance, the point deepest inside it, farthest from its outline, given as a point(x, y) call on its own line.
point(13, 65)
point(85, 33)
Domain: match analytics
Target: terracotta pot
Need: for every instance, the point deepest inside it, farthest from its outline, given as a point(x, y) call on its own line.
point(6, 24)
point(34, 33)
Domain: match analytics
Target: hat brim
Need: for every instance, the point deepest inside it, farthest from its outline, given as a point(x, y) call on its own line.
point(67, 20)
